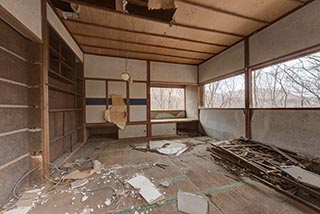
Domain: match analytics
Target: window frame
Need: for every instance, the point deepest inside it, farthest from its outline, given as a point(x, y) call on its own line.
point(170, 86)
point(276, 61)
point(220, 78)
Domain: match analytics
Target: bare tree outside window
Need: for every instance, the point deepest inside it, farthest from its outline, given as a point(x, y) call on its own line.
point(295, 83)
point(227, 93)
point(167, 98)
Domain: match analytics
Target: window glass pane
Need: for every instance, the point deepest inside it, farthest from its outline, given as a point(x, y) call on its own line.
point(227, 93)
point(295, 83)
point(167, 98)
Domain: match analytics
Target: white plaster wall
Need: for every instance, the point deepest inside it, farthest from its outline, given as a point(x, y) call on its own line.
point(138, 113)
point(95, 113)
point(223, 124)
point(297, 31)
point(133, 131)
point(117, 87)
point(28, 12)
point(112, 67)
point(138, 90)
point(293, 130)
point(227, 62)
point(192, 102)
point(164, 129)
point(63, 32)
point(95, 89)
point(170, 72)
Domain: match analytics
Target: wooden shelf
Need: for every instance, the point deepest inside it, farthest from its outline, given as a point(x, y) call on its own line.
point(55, 88)
point(60, 77)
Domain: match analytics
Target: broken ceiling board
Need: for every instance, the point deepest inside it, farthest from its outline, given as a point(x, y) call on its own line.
point(206, 18)
point(303, 176)
point(124, 54)
point(251, 8)
point(111, 19)
point(82, 40)
point(147, 189)
point(161, 4)
point(93, 31)
point(192, 203)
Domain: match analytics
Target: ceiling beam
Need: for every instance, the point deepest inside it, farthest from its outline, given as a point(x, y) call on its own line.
point(140, 52)
point(140, 43)
point(145, 33)
point(192, 27)
point(218, 10)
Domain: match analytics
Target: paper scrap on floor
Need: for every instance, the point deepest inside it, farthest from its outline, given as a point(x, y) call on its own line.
point(168, 147)
point(303, 176)
point(117, 114)
point(146, 189)
point(191, 203)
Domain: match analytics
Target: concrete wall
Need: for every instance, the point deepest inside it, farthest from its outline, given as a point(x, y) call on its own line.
point(227, 62)
point(63, 32)
point(297, 31)
point(170, 72)
point(28, 12)
point(293, 130)
point(223, 124)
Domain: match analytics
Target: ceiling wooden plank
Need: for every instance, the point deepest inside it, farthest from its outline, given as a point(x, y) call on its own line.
point(88, 43)
point(146, 33)
point(187, 26)
point(140, 56)
point(100, 41)
point(141, 38)
point(219, 10)
point(141, 43)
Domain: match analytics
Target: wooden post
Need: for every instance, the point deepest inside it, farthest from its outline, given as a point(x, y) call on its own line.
point(149, 128)
point(44, 90)
point(248, 88)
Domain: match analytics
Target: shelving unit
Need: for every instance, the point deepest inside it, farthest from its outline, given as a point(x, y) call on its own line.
point(65, 98)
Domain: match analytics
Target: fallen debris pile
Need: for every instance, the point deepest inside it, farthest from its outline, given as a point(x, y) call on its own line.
point(283, 171)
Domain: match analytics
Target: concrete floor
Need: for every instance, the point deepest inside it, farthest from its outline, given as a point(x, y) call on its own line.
point(194, 171)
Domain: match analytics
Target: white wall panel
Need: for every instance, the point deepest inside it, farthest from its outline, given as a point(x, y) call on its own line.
point(63, 32)
point(170, 72)
point(117, 87)
point(297, 31)
point(138, 113)
point(28, 12)
point(138, 90)
point(227, 62)
point(164, 129)
point(94, 114)
point(133, 131)
point(112, 67)
point(95, 89)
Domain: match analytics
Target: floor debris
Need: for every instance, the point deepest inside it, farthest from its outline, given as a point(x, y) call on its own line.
point(272, 166)
point(146, 189)
point(192, 203)
point(78, 183)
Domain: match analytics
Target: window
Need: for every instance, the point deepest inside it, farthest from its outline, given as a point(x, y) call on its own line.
point(167, 98)
point(295, 83)
point(227, 93)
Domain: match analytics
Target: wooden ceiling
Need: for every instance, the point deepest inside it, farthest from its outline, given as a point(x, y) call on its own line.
point(202, 29)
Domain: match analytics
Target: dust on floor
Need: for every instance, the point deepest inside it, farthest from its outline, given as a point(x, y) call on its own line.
point(193, 171)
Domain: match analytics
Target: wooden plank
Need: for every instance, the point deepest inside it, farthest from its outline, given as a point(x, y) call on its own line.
point(45, 90)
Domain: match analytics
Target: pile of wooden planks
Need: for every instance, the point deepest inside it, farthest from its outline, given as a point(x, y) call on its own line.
point(283, 171)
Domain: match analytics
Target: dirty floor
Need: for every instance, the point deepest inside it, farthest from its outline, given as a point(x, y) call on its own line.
point(194, 171)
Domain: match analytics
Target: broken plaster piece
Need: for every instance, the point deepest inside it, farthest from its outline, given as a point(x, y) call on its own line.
point(192, 203)
point(146, 189)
